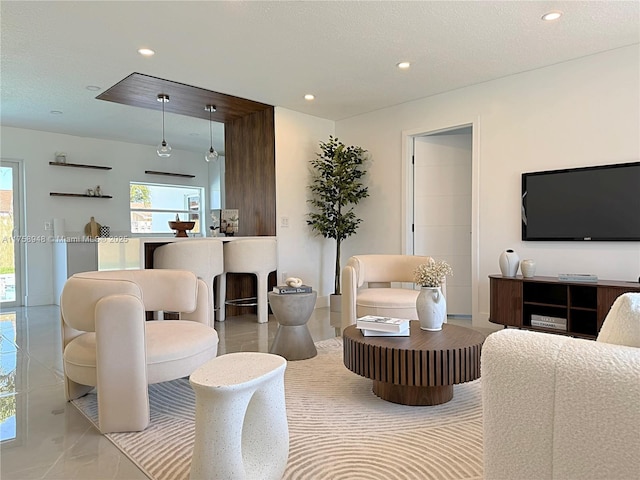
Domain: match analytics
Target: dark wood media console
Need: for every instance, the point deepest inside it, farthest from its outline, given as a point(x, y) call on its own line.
point(584, 305)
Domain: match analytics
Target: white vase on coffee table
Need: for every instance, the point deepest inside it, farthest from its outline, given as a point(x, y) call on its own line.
point(432, 308)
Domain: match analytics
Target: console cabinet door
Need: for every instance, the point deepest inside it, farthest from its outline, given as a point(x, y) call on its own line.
point(505, 301)
point(606, 297)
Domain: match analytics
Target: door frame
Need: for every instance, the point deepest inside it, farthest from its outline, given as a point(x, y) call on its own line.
point(19, 228)
point(408, 195)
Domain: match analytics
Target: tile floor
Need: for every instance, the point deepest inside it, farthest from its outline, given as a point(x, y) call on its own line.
point(48, 438)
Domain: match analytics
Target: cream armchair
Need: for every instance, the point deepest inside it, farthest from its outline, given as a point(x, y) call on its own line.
point(556, 407)
point(367, 287)
point(108, 344)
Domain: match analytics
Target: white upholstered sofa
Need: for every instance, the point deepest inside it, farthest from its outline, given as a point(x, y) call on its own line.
point(556, 407)
point(370, 286)
point(107, 342)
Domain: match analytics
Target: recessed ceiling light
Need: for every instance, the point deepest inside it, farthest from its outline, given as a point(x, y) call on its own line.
point(147, 52)
point(55, 112)
point(309, 96)
point(547, 17)
point(93, 88)
point(403, 65)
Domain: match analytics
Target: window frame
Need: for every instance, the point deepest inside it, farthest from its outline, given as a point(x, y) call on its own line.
point(186, 210)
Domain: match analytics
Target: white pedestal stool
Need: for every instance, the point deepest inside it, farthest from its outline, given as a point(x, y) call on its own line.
point(241, 419)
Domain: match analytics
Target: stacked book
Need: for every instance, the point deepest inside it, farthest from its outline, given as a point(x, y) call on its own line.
point(545, 321)
point(375, 326)
point(285, 289)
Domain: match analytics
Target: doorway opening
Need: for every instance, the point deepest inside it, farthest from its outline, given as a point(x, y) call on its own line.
point(11, 243)
point(441, 207)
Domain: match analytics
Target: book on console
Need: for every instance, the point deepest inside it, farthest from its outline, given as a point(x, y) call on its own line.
point(545, 321)
point(377, 333)
point(382, 324)
point(284, 289)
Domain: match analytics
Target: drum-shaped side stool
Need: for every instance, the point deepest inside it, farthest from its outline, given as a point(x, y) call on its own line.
point(292, 311)
point(241, 419)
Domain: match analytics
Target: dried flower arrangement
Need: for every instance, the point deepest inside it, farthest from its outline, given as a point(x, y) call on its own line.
point(432, 274)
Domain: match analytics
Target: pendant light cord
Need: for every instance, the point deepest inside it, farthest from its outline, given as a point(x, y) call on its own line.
point(210, 128)
point(163, 100)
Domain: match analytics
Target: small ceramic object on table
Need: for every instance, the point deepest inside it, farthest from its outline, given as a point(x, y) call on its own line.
point(528, 268)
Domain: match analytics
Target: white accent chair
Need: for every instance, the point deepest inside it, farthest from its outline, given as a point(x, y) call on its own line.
point(557, 407)
point(258, 256)
point(202, 257)
point(108, 344)
point(367, 287)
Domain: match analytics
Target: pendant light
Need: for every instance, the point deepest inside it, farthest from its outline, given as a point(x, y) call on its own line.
point(211, 155)
point(164, 149)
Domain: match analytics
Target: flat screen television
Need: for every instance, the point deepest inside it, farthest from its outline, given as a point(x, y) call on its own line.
point(600, 203)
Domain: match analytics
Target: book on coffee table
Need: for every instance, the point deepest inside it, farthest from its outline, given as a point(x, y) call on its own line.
point(382, 324)
point(377, 333)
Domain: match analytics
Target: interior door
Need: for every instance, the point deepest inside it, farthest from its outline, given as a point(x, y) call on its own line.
point(442, 209)
point(11, 244)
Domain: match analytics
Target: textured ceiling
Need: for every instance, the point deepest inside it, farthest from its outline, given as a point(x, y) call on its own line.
point(344, 52)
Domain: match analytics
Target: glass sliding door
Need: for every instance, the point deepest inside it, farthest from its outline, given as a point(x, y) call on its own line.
point(10, 248)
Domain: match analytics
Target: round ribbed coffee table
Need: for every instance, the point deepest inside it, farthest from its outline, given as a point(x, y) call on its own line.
point(420, 369)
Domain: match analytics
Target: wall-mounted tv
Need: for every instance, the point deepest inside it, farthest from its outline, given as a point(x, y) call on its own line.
point(600, 203)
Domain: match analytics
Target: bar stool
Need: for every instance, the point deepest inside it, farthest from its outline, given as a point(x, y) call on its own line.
point(250, 255)
point(202, 257)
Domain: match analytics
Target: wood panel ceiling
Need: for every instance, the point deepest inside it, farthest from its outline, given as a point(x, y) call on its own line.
point(141, 90)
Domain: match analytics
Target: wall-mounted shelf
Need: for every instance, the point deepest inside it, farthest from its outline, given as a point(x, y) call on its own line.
point(169, 174)
point(57, 194)
point(79, 165)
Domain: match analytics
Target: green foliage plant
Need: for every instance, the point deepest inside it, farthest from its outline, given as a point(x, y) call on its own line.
point(140, 194)
point(336, 187)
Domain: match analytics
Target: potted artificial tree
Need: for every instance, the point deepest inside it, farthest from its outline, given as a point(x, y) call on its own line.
point(335, 188)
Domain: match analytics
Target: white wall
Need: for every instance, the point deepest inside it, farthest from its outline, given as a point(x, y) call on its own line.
point(579, 113)
point(129, 161)
point(300, 253)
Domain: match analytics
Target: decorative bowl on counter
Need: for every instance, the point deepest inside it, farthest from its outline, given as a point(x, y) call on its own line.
point(181, 227)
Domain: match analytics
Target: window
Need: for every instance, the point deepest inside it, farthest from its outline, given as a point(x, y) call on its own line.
point(153, 206)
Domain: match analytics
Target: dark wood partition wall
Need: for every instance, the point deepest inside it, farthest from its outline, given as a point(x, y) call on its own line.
point(250, 176)
point(250, 186)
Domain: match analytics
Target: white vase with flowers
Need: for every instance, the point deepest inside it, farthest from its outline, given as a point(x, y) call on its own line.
point(431, 304)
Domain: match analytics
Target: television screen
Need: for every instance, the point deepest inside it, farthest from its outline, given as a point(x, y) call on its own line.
point(591, 203)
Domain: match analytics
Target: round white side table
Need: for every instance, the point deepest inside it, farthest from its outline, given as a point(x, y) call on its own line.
point(241, 428)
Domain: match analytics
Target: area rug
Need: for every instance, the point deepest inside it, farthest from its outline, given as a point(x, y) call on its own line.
point(338, 428)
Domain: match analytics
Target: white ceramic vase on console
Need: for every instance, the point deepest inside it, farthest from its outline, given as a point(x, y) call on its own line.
point(432, 308)
point(509, 263)
point(528, 268)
